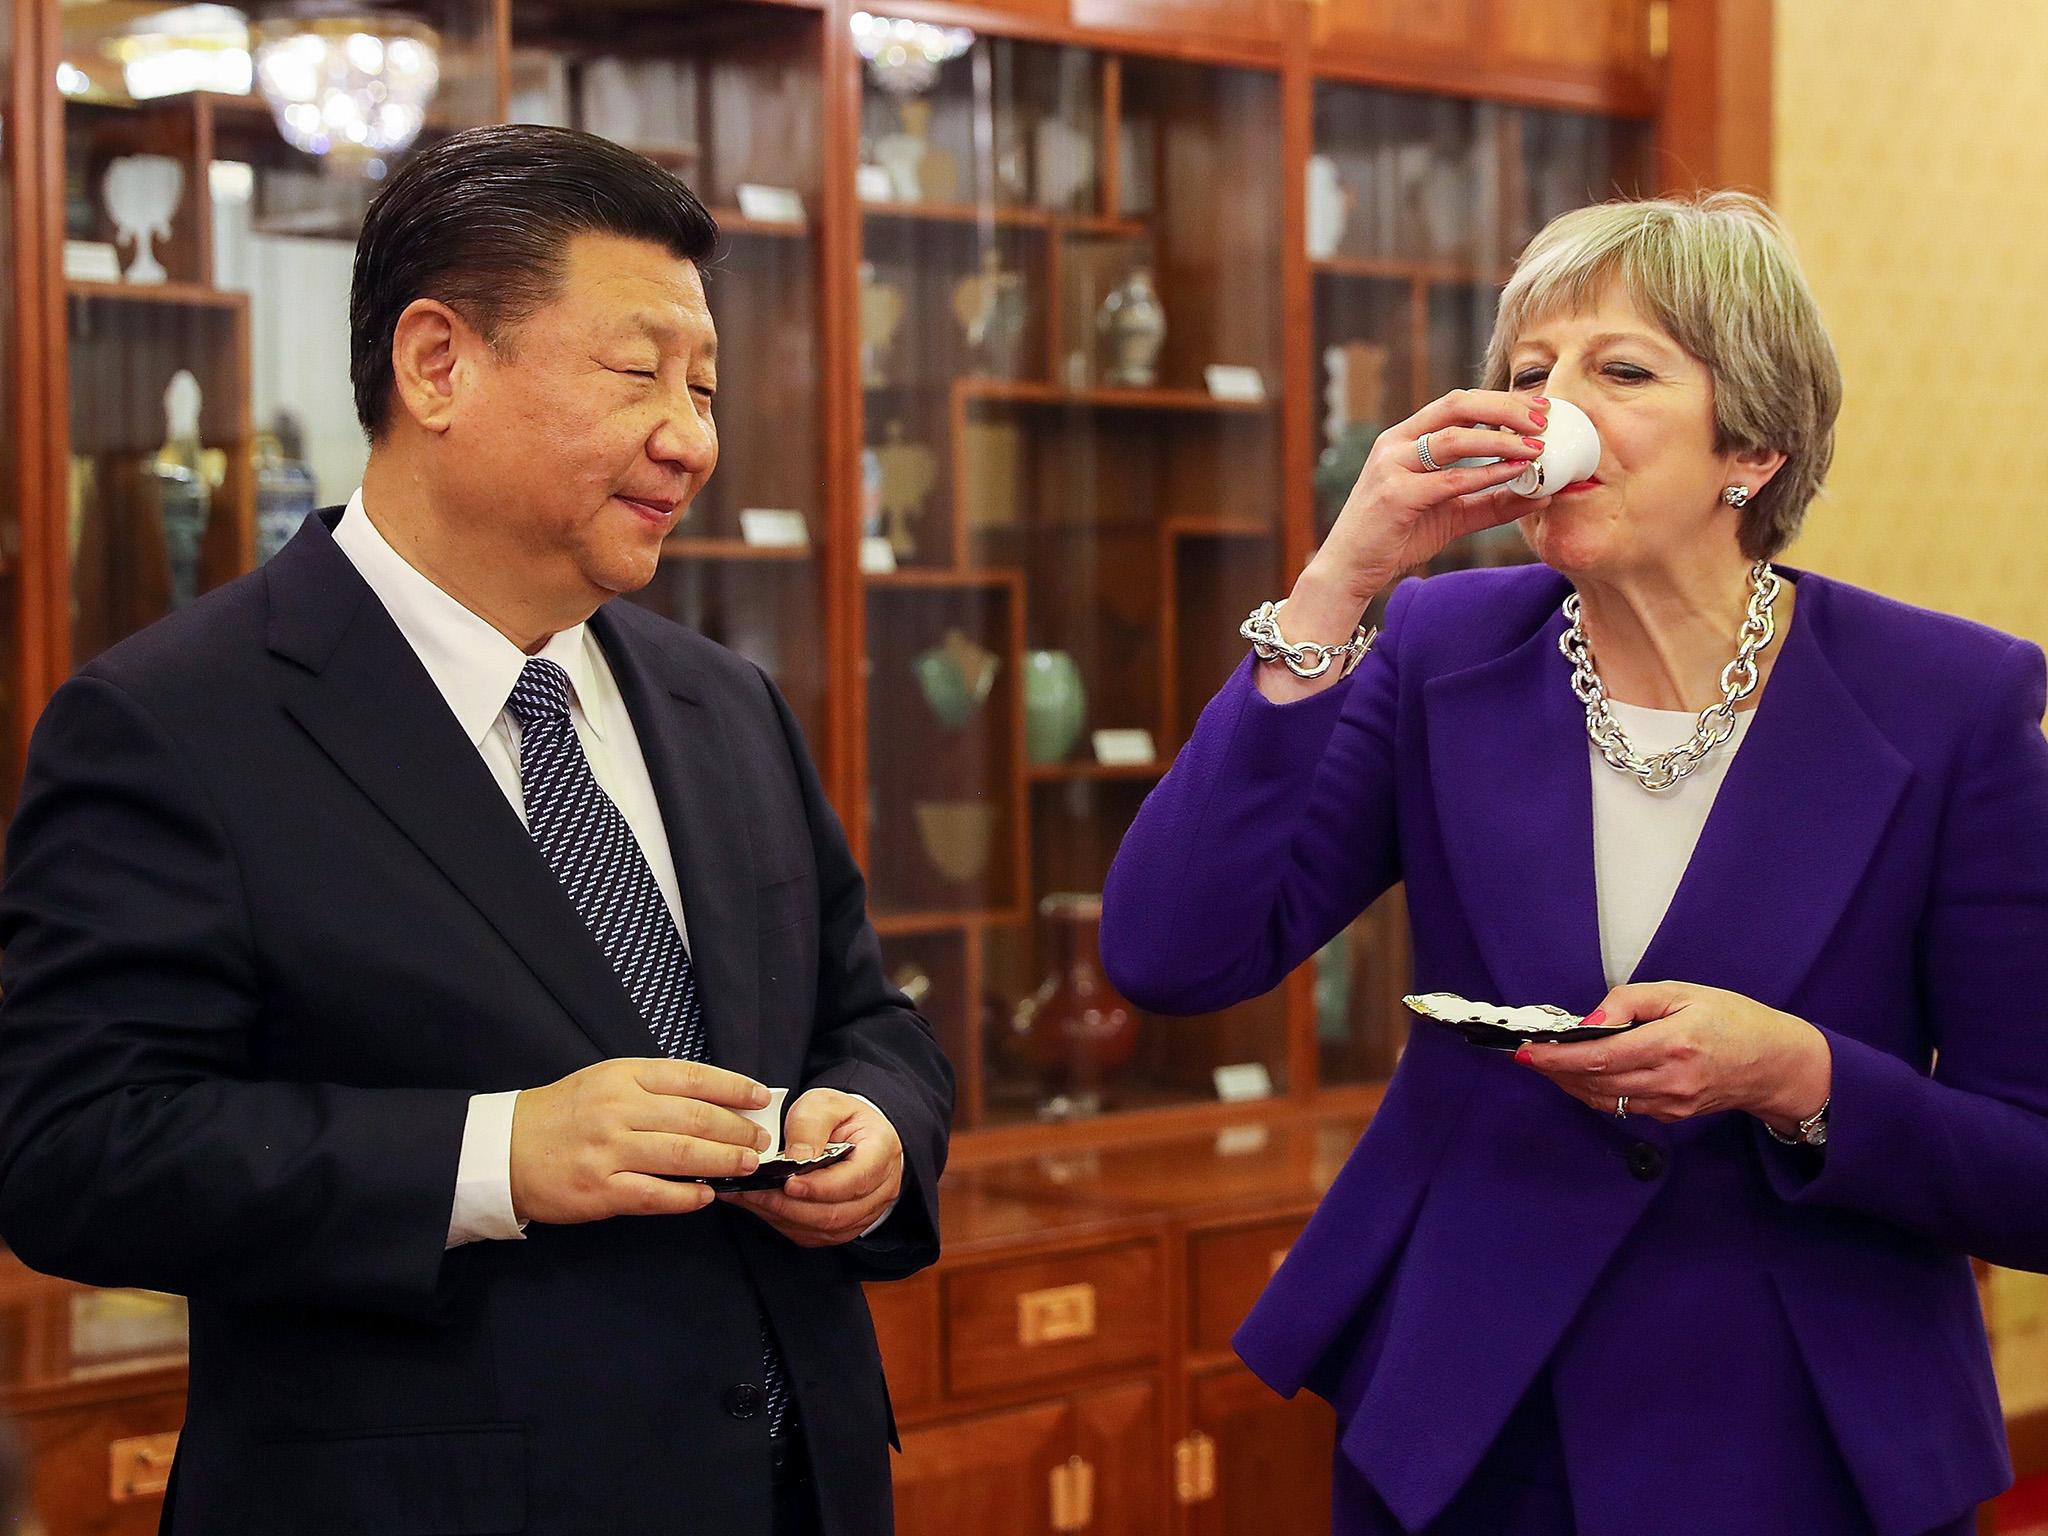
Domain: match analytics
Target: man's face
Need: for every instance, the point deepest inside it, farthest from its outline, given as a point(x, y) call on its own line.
point(588, 434)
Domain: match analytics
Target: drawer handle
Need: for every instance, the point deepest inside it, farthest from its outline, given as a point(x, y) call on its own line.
point(140, 1467)
point(1073, 1495)
point(1194, 1469)
point(1279, 1258)
point(1055, 1315)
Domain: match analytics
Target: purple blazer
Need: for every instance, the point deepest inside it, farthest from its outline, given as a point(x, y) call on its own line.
point(1718, 1313)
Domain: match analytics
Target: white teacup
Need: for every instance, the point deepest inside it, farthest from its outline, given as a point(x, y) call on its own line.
point(770, 1120)
point(1571, 453)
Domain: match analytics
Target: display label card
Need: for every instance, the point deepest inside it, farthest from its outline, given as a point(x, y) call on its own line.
point(1124, 748)
point(774, 528)
point(91, 261)
point(771, 205)
point(1245, 1081)
point(1228, 381)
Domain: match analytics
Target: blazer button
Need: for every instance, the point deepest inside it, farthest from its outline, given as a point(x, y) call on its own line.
point(743, 1401)
point(1646, 1162)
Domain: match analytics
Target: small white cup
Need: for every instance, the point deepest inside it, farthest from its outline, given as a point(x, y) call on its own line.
point(770, 1120)
point(1571, 453)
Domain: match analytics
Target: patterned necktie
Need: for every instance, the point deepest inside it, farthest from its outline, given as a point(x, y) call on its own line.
point(592, 851)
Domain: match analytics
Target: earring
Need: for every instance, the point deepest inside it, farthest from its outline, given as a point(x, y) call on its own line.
point(1736, 496)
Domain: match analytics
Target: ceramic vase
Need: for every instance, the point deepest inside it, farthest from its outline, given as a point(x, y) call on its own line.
point(1076, 1027)
point(1055, 704)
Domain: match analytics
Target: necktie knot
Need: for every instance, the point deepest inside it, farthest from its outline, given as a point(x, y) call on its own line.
point(542, 693)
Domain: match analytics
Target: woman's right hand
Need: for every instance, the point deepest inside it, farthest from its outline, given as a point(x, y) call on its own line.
point(1400, 515)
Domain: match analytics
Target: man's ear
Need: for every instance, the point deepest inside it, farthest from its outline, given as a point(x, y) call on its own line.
point(434, 355)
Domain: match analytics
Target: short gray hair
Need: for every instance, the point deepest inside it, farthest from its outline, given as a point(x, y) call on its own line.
point(1717, 274)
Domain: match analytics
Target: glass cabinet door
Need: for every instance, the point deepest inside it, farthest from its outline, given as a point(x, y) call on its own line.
point(1069, 325)
point(727, 97)
point(216, 174)
point(1416, 209)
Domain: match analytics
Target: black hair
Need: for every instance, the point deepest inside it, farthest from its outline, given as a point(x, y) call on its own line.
point(482, 222)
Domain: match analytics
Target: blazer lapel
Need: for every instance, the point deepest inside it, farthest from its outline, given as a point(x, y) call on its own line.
point(1512, 781)
point(364, 697)
point(699, 789)
point(1791, 833)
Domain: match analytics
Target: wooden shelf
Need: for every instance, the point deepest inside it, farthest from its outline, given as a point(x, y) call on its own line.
point(1083, 773)
point(174, 295)
point(914, 579)
point(732, 222)
point(1186, 401)
point(905, 924)
point(1109, 226)
point(733, 549)
point(937, 919)
point(1218, 528)
point(1412, 269)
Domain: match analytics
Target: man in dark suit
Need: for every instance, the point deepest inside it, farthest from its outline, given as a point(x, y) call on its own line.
point(393, 938)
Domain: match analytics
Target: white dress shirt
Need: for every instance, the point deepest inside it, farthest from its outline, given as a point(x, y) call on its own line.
point(1642, 839)
point(475, 666)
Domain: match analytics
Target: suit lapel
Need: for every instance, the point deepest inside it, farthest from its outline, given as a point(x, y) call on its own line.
point(1512, 781)
point(360, 692)
point(1782, 852)
point(698, 787)
point(1791, 833)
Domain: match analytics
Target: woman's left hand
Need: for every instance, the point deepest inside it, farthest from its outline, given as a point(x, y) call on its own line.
point(1702, 1051)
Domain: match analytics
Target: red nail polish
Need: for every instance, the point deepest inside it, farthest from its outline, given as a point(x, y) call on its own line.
point(1525, 1055)
point(1595, 1016)
point(1534, 442)
point(1541, 400)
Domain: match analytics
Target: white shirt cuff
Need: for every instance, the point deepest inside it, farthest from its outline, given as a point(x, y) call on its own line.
point(483, 1175)
point(890, 1209)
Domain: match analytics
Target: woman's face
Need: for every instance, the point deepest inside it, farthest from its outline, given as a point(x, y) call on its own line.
point(1655, 502)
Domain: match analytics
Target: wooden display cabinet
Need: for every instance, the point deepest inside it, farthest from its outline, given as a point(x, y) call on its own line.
point(961, 532)
point(731, 98)
point(24, 427)
point(1115, 496)
point(1411, 236)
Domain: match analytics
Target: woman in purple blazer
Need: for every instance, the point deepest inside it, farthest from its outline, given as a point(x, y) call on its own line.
point(1708, 1277)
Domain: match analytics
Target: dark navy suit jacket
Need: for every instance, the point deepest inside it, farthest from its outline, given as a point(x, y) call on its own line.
point(1716, 1311)
point(269, 923)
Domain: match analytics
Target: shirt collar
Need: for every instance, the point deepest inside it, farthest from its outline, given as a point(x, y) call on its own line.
point(472, 664)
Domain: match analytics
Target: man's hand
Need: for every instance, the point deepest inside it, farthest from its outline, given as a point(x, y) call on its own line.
point(612, 1139)
point(834, 1205)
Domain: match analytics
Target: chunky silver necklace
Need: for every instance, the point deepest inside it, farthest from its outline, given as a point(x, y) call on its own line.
point(1716, 722)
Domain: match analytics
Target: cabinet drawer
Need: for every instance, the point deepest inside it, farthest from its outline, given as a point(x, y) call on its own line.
point(1012, 1324)
point(99, 1470)
point(1226, 1271)
point(906, 1314)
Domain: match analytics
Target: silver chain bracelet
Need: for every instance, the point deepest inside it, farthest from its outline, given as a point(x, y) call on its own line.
point(1307, 659)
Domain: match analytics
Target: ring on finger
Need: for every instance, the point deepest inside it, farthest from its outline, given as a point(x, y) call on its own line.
point(1621, 1107)
point(1422, 453)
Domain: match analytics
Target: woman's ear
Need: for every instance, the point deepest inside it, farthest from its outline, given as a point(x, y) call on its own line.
point(1754, 467)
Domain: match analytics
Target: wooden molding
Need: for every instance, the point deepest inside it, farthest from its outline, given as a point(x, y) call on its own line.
point(1716, 127)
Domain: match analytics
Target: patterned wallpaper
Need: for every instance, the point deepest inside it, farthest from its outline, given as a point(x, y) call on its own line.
point(1913, 173)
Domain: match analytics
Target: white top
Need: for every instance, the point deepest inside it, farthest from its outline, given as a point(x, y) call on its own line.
point(1642, 839)
point(475, 666)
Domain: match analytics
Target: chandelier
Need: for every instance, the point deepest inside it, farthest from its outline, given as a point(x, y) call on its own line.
point(904, 56)
point(345, 82)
